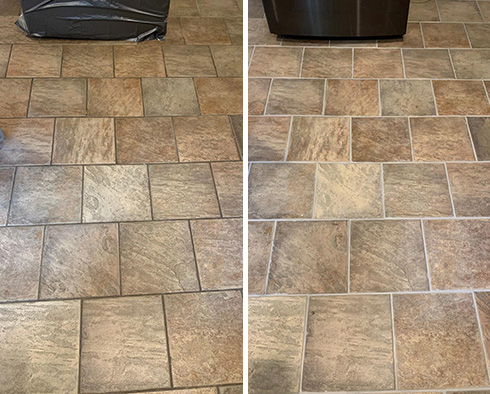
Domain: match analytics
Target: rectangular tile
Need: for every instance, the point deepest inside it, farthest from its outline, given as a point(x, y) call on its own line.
point(189, 61)
point(352, 97)
point(259, 33)
point(143, 60)
point(472, 64)
point(114, 97)
point(423, 11)
point(228, 60)
point(228, 178)
point(327, 63)
point(205, 31)
point(35, 61)
point(216, 8)
point(220, 96)
point(259, 248)
point(258, 92)
point(296, 96)
point(461, 98)
point(4, 59)
point(445, 35)
point(459, 11)
point(275, 62)
point(411, 39)
point(378, 63)
point(427, 63)
point(89, 61)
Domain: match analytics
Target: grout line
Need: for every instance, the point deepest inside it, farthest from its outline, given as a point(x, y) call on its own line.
point(314, 191)
point(349, 240)
point(467, 35)
point(383, 199)
point(438, 12)
point(411, 140)
point(402, 163)
point(395, 362)
point(427, 265)
point(379, 98)
point(235, 137)
point(175, 138)
point(288, 142)
point(471, 139)
point(485, 355)
point(352, 63)
point(337, 219)
point(195, 257)
point(251, 57)
point(269, 263)
point(486, 90)
point(43, 245)
point(434, 97)
point(9, 59)
point(216, 190)
point(149, 191)
point(14, 176)
point(350, 139)
point(452, 63)
point(303, 354)
point(302, 60)
point(119, 257)
point(450, 192)
point(403, 63)
point(115, 140)
point(53, 136)
point(480, 11)
point(80, 348)
point(82, 196)
point(165, 320)
point(324, 105)
point(422, 34)
point(268, 95)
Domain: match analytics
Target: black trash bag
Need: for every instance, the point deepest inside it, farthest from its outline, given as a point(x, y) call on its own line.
point(131, 20)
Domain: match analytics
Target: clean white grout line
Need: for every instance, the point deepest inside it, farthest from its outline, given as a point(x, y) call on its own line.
point(324, 96)
point(438, 12)
point(383, 200)
point(270, 257)
point(349, 240)
point(290, 131)
point(485, 355)
point(434, 97)
point(314, 193)
point(350, 139)
point(401, 163)
point(452, 63)
point(251, 56)
point(305, 334)
point(268, 96)
point(302, 61)
point(411, 140)
point(486, 90)
point(403, 63)
point(379, 98)
point(426, 255)
point(471, 139)
point(395, 364)
point(422, 34)
point(467, 35)
point(449, 188)
point(336, 219)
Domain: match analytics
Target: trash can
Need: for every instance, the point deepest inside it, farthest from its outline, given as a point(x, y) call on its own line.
point(337, 18)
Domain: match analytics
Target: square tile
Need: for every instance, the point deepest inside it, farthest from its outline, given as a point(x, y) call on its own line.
point(483, 310)
point(427, 63)
point(123, 345)
point(309, 258)
point(296, 96)
point(380, 139)
point(267, 137)
point(426, 11)
point(378, 63)
point(142, 60)
point(58, 97)
point(183, 191)
point(441, 139)
point(348, 191)
point(46, 195)
point(459, 11)
point(319, 139)
point(114, 97)
point(35, 61)
point(414, 190)
point(189, 61)
point(219, 250)
point(411, 39)
point(228, 60)
point(224, 8)
point(352, 97)
point(406, 97)
point(387, 255)
point(220, 96)
point(470, 189)
point(190, 319)
point(259, 249)
point(169, 96)
point(275, 62)
point(445, 35)
point(479, 35)
point(259, 33)
point(275, 344)
point(443, 328)
point(327, 63)
point(20, 262)
point(359, 354)
point(480, 133)
point(27, 141)
point(37, 339)
point(205, 138)
point(14, 97)
point(6, 184)
point(157, 257)
point(461, 98)
point(281, 191)
point(80, 261)
point(228, 178)
point(89, 61)
point(471, 64)
point(4, 59)
point(205, 31)
point(258, 91)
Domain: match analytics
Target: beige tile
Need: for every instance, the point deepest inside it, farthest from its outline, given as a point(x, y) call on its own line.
point(461, 98)
point(459, 11)
point(6, 184)
point(228, 60)
point(228, 178)
point(445, 35)
point(189, 61)
point(406, 97)
point(237, 389)
point(89, 61)
point(174, 34)
point(485, 10)
point(259, 249)
point(258, 90)
point(327, 63)
point(259, 34)
point(478, 34)
point(480, 134)
point(114, 97)
point(361, 43)
point(220, 96)
point(426, 11)
point(352, 97)
point(4, 59)
point(471, 64)
point(184, 8)
point(142, 60)
point(255, 9)
point(223, 8)
point(10, 7)
point(275, 62)
point(296, 96)
point(14, 97)
point(412, 39)
point(205, 31)
point(235, 30)
point(237, 127)
point(378, 63)
point(427, 63)
point(205, 390)
point(35, 61)
point(267, 137)
point(483, 310)
point(10, 33)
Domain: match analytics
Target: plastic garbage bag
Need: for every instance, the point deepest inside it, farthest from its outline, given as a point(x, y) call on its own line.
point(131, 20)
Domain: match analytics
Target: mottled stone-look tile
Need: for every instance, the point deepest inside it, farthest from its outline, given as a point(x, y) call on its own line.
point(470, 188)
point(258, 90)
point(235, 30)
point(387, 256)
point(183, 191)
point(352, 97)
point(327, 63)
point(358, 354)
point(480, 133)
point(212, 323)
point(255, 9)
point(114, 97)
point(445, 35)
point(380, 139)
point(483, 306)
point(434, 332)
point(423, 12)
point(157, 258)
point(406, 97)
point(459, 11)
point(184, 8)
point(4, 59)
point(411, 39)
point(10, 7)
point(259, 248)
point(123, 345)
point(205, 31)
point(461, 98)
point(228, 60)
point(174, 34)
point(205, 138)
point(220, 96)
point(275, 62)
point(275, 344)
point(39, 343)
point(6, 184)
point(378, 63)
point(205, 390)
point(479, 34)
point(218, 247)
point(228, 178)
point(46, 195)
point(188, 61)
point(35, 61)
point(143, 60)
point(348, 191)
point(116, 193)
point(145, 140)
point(296, 96)
point(223, 8)
point(319, 139)
point(281, 190)
point(237, 127)
point(9, 32)
point(259, 34)
point(89, 61)
point(413, 190)
point(238, 389)
point(472, 64)
point(14, 97)
point(267, 137)
point(169, 96)
point(309, 257)
point(427, 63)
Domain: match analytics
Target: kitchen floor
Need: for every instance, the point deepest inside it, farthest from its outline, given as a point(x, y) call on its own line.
point(369, 207)
point(120, 206)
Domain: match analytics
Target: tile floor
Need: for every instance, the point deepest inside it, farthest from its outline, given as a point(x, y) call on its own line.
point(369, 207)
point(120, 206)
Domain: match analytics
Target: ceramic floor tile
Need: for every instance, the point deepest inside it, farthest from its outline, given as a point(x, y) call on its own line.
point(359, 352)
point(14, 97)
point(46, 195)
point(228, 178)
point(258, 90)
point(157, 258)
point(27, 141)
point(6, 184)
point(235, 30)
point(471, 64)
point(352, 97)
point(461, 98)
point(387, 256)
point(478, 34)
point(483, 307)
point(230, 389)
point(10, 7)
point(485, 10)
point(423, 12)
point(220, 96)
point(143, 60)
point(228, 60)
point(414, 190)
point(259, 34)
point(470, 189)
point(259, 249)
point(89, 61)
point(432, 333)
point(35, 61)
point(348, 191)
point(380, 139)
point(191, 318)
point(223, 8)
point(169, 96)
point(445, 35)
point(114, 97)
point(4, 59)
point(35, 340)
point(360, 43)
point(174, 35)
point(255, 9)
point(480, 133)
point(459, 11)
point(296, 96)
point(275, 62)
point(378, 63)
point(183, 191)
point(237, 126)
point(281, 191)
point(441, 139)
point(145, 140)
point(123, 345)
point(294, 41)
point(205, 31)
point(189, 61)
point(275, 344)
point(205, 390)
point(218, 246)
point(427, 63)
point(319, 139)
point(327, 63)
point(184, 8)
point(10, 33)
point(116, 193)
point(412, 39)
point(406, 97)
point(267, 137)
point(205, 138)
